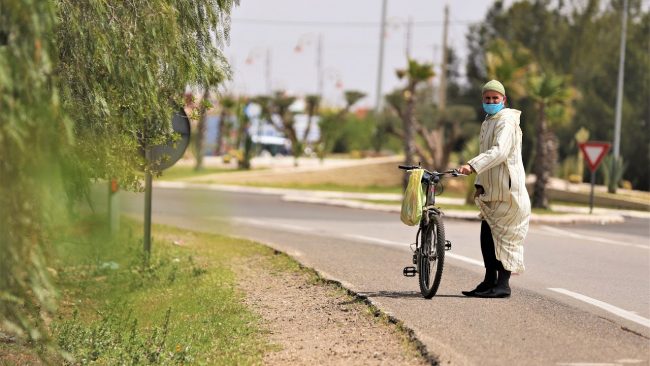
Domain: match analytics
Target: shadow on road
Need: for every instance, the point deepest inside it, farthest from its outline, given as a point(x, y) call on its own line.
point(402, 294)
point(391, 294)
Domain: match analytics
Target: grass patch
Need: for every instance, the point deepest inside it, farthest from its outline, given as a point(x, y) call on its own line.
point(178, 172)
point(181, 308)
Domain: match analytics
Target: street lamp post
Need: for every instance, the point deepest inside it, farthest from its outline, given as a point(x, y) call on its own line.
point(257, 53)
point(619, 89)
point(305, 40)
point(380, 68)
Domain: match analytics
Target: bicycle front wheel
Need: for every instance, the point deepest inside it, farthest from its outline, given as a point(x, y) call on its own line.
point(431, 256)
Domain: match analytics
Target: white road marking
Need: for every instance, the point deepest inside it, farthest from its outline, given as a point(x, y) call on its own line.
point(465, 259)
point(605, 306)
point(357, 237)
point(376, 240)
point(292, 227)
point(394, 243)
point(566, 233)
point(273, 225)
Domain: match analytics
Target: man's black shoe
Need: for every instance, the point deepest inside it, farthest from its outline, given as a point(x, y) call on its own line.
point(483, 286)
point(494, 292)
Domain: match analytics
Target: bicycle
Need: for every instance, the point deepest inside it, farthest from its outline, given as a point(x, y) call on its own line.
point(429, 251)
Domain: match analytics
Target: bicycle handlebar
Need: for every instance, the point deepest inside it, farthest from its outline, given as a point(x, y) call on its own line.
point(452, 172)
point(408, 167)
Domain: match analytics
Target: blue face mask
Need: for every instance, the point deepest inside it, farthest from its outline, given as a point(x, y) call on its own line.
point(492, 108)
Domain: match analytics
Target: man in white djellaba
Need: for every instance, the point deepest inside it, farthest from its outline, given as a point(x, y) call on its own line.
point(500, 194)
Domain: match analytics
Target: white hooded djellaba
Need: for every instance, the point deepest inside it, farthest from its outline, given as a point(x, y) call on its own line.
point(500, 171)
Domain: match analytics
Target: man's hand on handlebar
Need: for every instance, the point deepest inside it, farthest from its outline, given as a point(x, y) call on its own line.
point(466, 169)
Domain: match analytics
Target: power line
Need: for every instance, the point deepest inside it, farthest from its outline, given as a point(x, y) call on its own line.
point(308, 23)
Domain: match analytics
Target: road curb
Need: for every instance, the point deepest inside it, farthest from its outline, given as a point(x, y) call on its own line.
point(462, 215)
point(345, 199)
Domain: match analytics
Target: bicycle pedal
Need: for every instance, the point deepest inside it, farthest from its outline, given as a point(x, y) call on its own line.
point(409, 271)
point(447, 245)
point(415, 259)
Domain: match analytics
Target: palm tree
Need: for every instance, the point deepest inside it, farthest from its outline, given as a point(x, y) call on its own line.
point(415, 74)
point(227, 103)
point(510, 64)
point(552, 96)
point(331, 124)
point(312, 102)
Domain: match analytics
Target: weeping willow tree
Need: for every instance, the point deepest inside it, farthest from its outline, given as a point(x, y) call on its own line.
point(124, 67)
point(83, 86)
point(32, 133)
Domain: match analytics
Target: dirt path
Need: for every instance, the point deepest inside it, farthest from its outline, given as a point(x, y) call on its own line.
point(316, 323)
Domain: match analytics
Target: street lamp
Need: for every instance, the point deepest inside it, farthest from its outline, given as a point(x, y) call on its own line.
point(258, 53)
point(306, 40)
point(619, 89)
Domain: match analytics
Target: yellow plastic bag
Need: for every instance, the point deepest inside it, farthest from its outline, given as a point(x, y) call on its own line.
point(413, 199)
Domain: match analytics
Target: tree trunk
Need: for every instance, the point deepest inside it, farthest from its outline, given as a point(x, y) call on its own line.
point(221, 132)
point(200, 131)
point(409, 133)
point(243, 138)
point(541, 167)
point(296, 144)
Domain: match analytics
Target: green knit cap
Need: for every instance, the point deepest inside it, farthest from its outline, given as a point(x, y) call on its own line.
point(494, 85)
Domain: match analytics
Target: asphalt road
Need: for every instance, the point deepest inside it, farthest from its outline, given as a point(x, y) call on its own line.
point(584, 298)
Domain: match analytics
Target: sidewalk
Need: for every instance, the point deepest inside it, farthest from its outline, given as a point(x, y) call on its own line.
point(570, 214)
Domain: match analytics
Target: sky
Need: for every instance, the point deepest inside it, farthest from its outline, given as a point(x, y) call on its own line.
point(349, 30)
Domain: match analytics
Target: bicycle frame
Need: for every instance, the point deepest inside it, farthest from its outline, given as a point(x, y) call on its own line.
point(431, 227)
point(429, 181)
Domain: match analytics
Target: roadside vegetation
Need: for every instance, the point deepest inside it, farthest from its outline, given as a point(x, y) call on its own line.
point(183, 308)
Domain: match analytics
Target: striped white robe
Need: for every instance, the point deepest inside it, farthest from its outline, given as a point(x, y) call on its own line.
point(505, 204)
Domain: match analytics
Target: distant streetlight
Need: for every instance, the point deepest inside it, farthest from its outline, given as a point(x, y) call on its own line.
point(333, 74)
point(380, 67)
point(305, 40)
point(619, 89)
point(258, 53)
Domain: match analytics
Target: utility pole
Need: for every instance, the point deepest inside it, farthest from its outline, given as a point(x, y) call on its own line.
point(319, 65)
point(380, 68)
point(442, 101)
point(267, 72)
point(409, 36)
point(619, 89)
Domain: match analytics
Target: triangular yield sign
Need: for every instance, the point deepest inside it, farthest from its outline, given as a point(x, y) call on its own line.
point(594, 152)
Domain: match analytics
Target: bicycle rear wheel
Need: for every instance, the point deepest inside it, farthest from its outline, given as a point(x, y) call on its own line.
point(431, 256)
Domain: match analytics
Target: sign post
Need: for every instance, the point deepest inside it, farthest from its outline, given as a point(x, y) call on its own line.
point(594, 152)
point(161, 157)
point(114, 206)
point(148, 178)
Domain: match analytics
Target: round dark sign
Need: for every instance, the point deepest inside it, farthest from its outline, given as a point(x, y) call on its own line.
point(164, 156)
